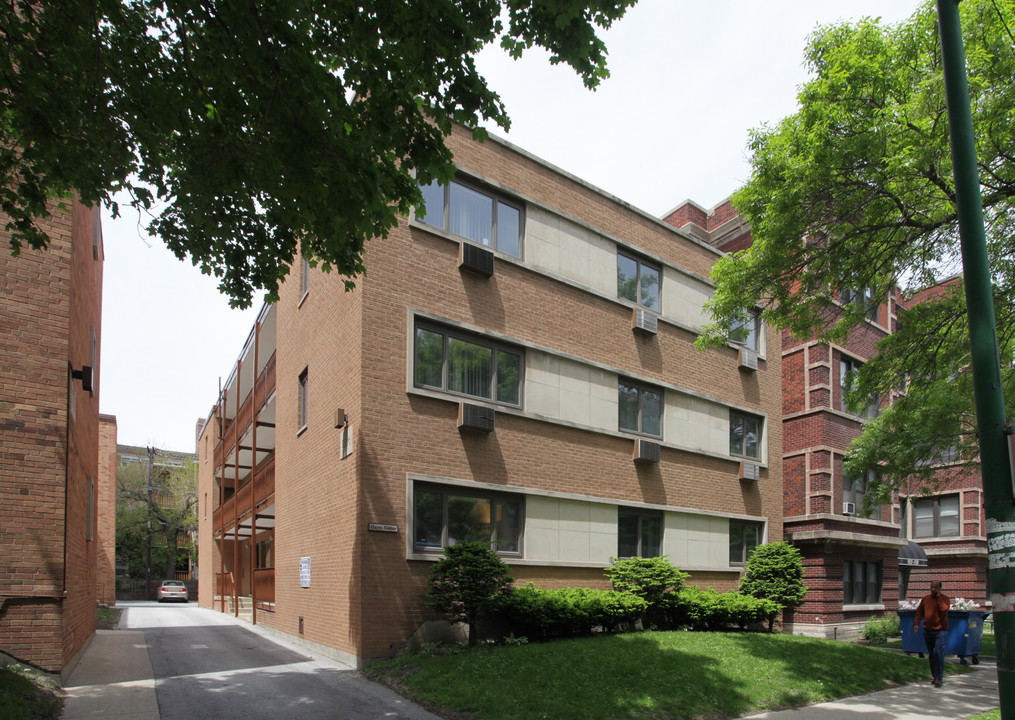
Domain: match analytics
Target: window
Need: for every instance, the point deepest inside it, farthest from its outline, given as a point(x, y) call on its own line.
point(936, 517)
point(467, 365)
point(855, 489)
point(744, 537)
point(638, 534)
point(745, 435)
point(637, 281)
point(448, 515)
point(93, 359)
point(864, 297)
point(640, 408)
point(861, 582)
point(304, 276)
point(746, 330)
point(304, 399)
point(473, 214)
point(848, 367)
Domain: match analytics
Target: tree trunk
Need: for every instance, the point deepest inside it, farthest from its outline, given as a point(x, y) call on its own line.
point(172, 539)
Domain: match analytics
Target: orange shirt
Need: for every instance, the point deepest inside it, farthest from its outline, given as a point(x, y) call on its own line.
point(933, 611)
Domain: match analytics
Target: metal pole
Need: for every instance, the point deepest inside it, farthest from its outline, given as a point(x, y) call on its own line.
point(986, 366)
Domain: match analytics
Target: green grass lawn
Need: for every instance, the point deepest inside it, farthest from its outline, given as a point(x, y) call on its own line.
point(648, 675)
point(28, 694)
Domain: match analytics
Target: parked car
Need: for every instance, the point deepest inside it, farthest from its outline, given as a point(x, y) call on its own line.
point(172, 590)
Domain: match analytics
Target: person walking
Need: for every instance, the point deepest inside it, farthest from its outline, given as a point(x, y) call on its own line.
point(933, 610)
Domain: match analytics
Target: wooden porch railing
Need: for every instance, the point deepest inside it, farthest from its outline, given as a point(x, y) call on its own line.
point(264, 481)
point(264, 584)
point(223, 584)
point(265, 384)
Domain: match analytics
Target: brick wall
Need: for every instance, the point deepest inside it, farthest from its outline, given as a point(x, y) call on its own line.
point(51, 303)
point(105, 533)
point(366, 598)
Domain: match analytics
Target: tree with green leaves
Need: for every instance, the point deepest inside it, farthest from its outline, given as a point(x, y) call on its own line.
point(166, 511)
point(242, 128)
point(467, 581)
point(775, 571)
point(855, 192)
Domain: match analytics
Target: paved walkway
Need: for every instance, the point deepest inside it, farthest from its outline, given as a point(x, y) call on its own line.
point(114, 681)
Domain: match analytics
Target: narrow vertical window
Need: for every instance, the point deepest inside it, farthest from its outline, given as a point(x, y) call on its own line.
point(304, 276)
point(90, 528)
point(304, 400)
point(638, 281)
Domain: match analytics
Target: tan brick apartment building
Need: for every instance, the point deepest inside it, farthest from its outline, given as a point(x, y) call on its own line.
point(853, 567)
point(50, 330)
point(517, 365)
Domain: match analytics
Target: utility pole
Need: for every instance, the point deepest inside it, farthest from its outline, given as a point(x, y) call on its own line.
point(148, 543)
point(990, 419)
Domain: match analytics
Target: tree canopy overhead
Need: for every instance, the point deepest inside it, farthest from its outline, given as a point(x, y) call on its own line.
point(855, 191)
point(244, 127)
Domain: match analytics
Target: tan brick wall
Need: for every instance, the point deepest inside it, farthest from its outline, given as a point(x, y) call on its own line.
point(366, 597)
point(105, 536)
point(51, 302)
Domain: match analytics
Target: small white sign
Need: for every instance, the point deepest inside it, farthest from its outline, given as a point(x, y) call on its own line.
point(382, 527)
point(304, 572)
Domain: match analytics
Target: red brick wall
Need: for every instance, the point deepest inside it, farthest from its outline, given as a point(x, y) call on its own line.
point(51, 301)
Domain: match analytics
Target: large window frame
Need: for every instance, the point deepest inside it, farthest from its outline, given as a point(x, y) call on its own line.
point(472, 212)
point(744, 427)
point(648, 403)
point(856, 488)
point(506, 364)
point(865, 297)
point(861, 582)
point(635, 278)
point(937, 517)
point(848, 367)
point(441, 517)
point(746, 330)
point(639, 533)
point(745, 536)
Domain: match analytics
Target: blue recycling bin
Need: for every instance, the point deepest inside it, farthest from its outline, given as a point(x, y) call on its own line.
point(965, 634)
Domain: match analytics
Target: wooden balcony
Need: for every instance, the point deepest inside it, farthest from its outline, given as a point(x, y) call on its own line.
point(224, 584)
point(265, 384)
point(250, 496)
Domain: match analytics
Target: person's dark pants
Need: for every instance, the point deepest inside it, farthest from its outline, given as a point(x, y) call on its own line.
point(935, 640)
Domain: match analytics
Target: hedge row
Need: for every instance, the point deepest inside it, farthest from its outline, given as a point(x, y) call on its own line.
point(538, 613)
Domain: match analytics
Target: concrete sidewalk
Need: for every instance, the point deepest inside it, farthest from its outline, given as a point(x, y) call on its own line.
point(114, 681)
point(972, 693)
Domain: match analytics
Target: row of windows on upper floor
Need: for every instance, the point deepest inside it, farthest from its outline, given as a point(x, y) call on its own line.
point(933, 517)
point(497, 223)
point(473, 366)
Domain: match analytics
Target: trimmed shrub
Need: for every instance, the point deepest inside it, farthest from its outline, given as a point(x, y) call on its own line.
point(466, 582)
point(775, 571)
point(878, 630)
point(710, 610)
point(567, 612)
point(655, 580)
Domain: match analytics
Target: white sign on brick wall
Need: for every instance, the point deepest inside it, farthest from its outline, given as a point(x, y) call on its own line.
point(304, 572)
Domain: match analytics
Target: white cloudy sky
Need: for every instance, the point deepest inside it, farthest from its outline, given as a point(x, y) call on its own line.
point(689, 80)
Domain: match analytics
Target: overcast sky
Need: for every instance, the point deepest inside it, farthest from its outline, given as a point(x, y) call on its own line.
point(689, 80)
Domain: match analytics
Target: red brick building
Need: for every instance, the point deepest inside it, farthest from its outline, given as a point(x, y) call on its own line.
point(852, 560)
point(517, 365)
point(50, 332)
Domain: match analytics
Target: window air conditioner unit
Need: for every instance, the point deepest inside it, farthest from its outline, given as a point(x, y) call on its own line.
point(475, 417)
point(646, 451)
point(475, 259)
point(750, 471)
point(748, 359)
point(848, 508)
point(645, 321)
